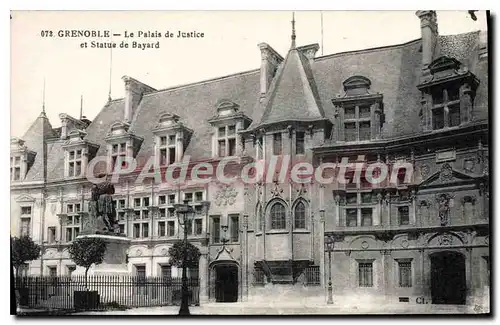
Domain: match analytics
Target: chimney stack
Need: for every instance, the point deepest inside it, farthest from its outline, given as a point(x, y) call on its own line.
point(134, 90)
point(269, 64)
point(430, 37)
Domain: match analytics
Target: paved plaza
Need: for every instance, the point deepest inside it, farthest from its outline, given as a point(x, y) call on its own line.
point(296, 309)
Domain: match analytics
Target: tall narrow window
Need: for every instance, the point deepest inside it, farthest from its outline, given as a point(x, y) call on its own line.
point(52, 235)
point(166, 271)
point(226, 140)
point(72, 225)
point(299, 143)
point(167, 150)
point(215, 230)
point(352, 217)
point(25, 226)
point(405, 274)
point(15, 168)
point(161, 228)
point(170, 228)
point(445, 107)
point(75, 163)
point(404, 215)
point(198, 226)
point(118, 153)
point(365, 274)
point(277, 146)
point(278, 216)
point(366, 216)
point(300, 216)
point(234, 228)
point(141, 217)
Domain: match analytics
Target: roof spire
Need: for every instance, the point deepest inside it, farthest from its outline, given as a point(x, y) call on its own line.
point(43, 97)
point(110, 72)
point(81, 106)
point(293, 30)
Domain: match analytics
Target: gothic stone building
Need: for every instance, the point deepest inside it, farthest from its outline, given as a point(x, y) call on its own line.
point(421, 238)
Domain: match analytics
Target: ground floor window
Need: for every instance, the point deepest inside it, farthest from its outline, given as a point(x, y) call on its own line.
point(405, 274)
point(365, 274)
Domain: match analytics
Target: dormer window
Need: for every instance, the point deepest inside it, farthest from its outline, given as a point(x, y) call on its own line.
point(226, 140)
point(445, 107)
point(75, 163)
point(121, 143)
point(447, 95)
point(118, 153)
point(21, 159)
point(359, 113)
point(171, 139)
point(77, 153)
point(299, 143)
point(167, 150)
point(226, 125)
point(277, 144)
point(15, 168)
point(357, 123)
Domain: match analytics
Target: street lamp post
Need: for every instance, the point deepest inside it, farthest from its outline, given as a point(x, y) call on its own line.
point(184, 214)
point(329, 244)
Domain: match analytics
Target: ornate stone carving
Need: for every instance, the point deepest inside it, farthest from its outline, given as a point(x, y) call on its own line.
point(164, 251)
point(226, 195)
point(302, 190)
point(443, 208)
point(486, 168)
point(365, 245)
point(424, 170)
point(404, 243)
point(469, 165)
point(385, 252)
point(413, 195)
point(277, 190)
point(446, 173)
point(445, 239)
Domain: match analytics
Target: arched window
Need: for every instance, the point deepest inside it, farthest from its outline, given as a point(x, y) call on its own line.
point(300, 216)
point(278, 216)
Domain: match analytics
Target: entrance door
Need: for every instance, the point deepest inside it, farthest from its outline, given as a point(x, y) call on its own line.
point(448, 284)
point(226, 283)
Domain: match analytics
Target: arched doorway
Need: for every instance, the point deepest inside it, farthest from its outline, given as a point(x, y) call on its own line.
point(448, 283)
point(226, 283)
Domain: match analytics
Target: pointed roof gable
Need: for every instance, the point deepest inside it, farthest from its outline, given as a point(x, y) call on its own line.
point(39, 131)
point(294, 95)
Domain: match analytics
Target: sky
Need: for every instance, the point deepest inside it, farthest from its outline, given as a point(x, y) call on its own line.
point(229, 46)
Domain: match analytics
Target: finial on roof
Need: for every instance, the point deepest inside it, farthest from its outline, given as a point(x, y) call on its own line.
point(81, 106)
point(43, 97)
point(293, 30)
point(110, 72)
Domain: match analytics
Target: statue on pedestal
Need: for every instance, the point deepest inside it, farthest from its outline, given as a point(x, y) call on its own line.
point(102, 212)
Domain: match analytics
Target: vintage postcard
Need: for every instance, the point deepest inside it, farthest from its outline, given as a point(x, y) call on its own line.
point(250, 162)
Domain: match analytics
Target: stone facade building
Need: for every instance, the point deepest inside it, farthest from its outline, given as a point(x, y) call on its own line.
point(420, 236)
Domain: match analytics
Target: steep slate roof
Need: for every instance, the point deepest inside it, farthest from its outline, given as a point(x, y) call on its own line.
point(300, 90)
point(40, 130)
point(294, 95)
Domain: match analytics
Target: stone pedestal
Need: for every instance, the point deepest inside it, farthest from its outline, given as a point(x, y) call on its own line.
point(114, 262)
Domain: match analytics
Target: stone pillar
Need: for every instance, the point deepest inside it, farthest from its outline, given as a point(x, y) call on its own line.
point(244, 260)
point(387, 273)
point(468, 277)
point(204, 274)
